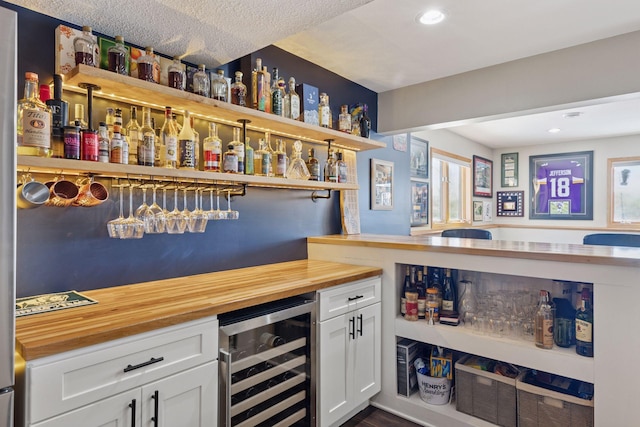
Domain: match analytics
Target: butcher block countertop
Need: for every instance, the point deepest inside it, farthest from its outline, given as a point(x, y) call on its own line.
point(558, 252)
point(132, 309)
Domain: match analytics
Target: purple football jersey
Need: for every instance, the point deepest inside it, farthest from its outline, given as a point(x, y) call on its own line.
point(559, 187)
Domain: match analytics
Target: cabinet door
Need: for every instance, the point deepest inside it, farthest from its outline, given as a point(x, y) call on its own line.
point(186, 399)
point(122, 410)
point(366, 353)
point(336, 370)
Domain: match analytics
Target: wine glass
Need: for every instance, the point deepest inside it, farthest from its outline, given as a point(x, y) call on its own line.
point(175, 217)
point(215, 214)
point(156, 215)
point(114, 227)
point(229, 214)
point(198, 218)
point(169, 221)
point(186, 213)
point(133, 227)
point(142, 212)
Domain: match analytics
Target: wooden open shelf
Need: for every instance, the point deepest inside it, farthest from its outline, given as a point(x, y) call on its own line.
point(139, 92)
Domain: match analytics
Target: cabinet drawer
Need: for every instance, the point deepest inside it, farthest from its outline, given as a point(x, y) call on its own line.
point(344, 298)
point(69, 380)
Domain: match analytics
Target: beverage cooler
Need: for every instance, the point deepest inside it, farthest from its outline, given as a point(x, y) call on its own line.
point(267, 365)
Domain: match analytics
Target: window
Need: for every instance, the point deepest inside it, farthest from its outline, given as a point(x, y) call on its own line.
point(624, 190)
point(451, 192)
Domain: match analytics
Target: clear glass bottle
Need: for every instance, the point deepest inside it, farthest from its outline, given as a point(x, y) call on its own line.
point(109, 118)
point(177, 78)
point(220, 87)
point(257, 158)
point(186, 144)
point(239, 91)
point(134, 132)
point(267, 156)
point(267, 89)
point(544, 322)
point(294, 101)
point(79, 116)
point(125, 148)
point(313, 165)
point(59, 116)
point(147, 144)
point(341, 166)
point(212, 149)
point(277, 95)
point(118, 57)
point(324, 111)
point(248, 157)
point(196, 145)
point(344, 119)
point(365, 122)
point(584, 325)
point(230, 160)
point(280, 161)
point(117, 121)
point(238, 148)
point(34, 121)
point(201, 82)
point(297, 168)
point(168, 142)
point(104, 144)
point(330, 169)
point(255, 84)
point(115, 153)
point(84, 47)
point(148, 66)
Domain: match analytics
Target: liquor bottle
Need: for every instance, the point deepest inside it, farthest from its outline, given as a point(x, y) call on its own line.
point(238, 148)
point(239, 91)
point(219, 87)
point(256, 84)
point(212, 149)
point(341, 166)
point(109, 118)
point(365, 122)
point(104, 143)
point(117, 121)
point(406, 286)
point(248, 157)
point(196, 145)
point(186, 144)
point(448, 293)
point(84, 47)
point(148, 66)
point(176, 76)
point(329, 168)
point(257, 158)
point(167, 143)
point(230, 160)
point(293, 111)
point(544, 322)
point(134, 133)
point(115, 152)
point(125, 149)
point(59, 117)
point(262, 159)
point(297, 168)
point(277, 97)
point(324, 112)
point(411, 295)
point(313, 165)
point(201, 82)
point(280, 160)
point(584, 325)
point(344, 119)
point(89, 145)
point(118, 57)
point(147, 140)
point(34, 121)
point(72, 142)
point(267, 90)
point(422, 295)
point(79, 116)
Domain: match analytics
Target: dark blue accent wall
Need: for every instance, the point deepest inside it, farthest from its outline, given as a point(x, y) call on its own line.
point(68, 248)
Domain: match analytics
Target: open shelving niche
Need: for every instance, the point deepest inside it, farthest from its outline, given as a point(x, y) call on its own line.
point(138, 92)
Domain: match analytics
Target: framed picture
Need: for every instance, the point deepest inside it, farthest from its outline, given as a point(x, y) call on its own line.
point(419, 202)
point(562, 186)
point(419, 152)
point(510, 203)
point(509, 170)
point(482, 177)
point(477, 210)
point(381, 185)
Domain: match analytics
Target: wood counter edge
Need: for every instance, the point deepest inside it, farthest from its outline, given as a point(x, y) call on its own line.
point(34, 350)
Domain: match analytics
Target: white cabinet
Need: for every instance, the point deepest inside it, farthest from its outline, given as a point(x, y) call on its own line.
point(169, 375)
point(349, 349)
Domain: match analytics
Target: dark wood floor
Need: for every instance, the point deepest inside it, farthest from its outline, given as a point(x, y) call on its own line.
point(374, 417)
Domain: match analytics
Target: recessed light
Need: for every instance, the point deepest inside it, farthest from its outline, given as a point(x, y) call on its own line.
point(572, 114)
point(554, 130)
point(431, 17)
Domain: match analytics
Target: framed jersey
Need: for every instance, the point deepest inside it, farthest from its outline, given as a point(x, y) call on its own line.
point(561, 186)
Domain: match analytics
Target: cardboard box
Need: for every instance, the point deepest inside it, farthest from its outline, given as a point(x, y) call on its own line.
point(442, 366)
point(309, 100)
point(407, 352)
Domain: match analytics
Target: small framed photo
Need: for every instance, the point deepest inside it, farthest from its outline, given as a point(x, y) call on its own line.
point(482, 177)
point(419, 158)
point(381, 185)
point(510, 203)
point(419, 202)
point(477, 210)
point(509, 171)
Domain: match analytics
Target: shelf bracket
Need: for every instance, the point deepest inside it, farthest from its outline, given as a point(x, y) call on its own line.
point(315, 196)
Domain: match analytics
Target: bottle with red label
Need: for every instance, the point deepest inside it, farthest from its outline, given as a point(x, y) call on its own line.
point(212, 149)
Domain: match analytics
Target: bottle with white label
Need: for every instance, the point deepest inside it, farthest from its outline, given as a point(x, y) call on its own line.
point(147, 143)
point(186, 145)
point(169, 141)
point(544, 322)
point(34, 121)
point(324, 111)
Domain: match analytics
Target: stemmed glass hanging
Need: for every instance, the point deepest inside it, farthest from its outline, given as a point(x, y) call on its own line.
point(133, 227)
point(156, 215)
point(175, 217)
point(215, 214)
point(230, 214)
point(197, 218)
point(114, 227)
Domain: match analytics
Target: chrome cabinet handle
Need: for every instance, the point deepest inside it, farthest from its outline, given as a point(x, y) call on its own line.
point(143, 364)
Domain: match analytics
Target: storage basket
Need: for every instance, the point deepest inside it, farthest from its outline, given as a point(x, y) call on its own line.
point(486, 395)
point(433, 390)
point(539, 407)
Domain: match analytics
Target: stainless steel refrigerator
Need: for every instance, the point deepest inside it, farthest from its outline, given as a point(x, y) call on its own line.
point(8, 83)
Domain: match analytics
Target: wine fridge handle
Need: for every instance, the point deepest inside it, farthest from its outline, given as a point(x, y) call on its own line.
point(155, 398)
point(132, 405)
point(352, 327)
point(360, 323)
point(225, 357)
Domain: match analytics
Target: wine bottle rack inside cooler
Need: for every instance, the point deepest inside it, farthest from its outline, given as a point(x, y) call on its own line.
point(266, 366)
